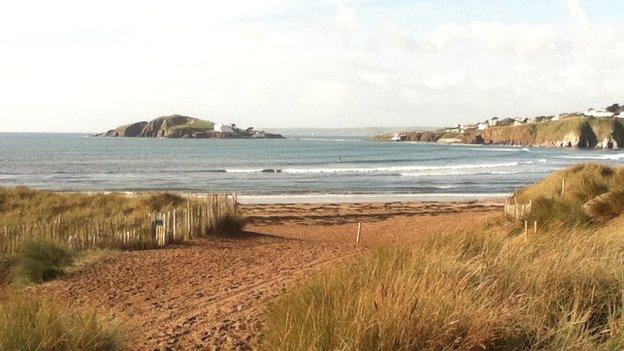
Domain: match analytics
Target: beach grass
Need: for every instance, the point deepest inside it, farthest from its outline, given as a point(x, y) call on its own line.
point(579, 195)
point(115, 220)
point(481, 285)
point(22, 205)
point(28, 322)
point(485, 287)
point(40, 261)
point(231, 224)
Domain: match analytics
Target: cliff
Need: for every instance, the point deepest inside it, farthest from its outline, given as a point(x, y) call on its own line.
point(574, 131)
point(424, 136)
point(177, 126)
point(580, 132)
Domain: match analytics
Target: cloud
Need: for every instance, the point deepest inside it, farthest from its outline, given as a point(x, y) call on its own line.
point(577, 14)
point(73, 66)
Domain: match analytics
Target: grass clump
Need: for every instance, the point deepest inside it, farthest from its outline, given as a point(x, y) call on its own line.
point(479, 288)
point(21, 205)
point(592, 193)
point(30, 323)
point(41, 260)
point(231, 223)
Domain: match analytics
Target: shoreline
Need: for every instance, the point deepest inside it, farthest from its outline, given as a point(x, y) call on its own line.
point(369, 198)
point(320, 198)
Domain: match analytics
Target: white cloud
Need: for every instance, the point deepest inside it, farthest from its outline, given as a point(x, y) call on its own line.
point(577, 13)
point(73, 66)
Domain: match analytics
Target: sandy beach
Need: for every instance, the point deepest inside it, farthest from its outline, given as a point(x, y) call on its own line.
point(212, 293)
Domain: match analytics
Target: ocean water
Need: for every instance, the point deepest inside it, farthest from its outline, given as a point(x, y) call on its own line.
point(298, 166)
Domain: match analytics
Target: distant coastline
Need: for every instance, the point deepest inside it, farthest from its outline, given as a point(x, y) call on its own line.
point(593, 129)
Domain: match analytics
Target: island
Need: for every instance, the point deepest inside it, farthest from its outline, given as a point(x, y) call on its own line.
point(177, 126)
point(588, 130)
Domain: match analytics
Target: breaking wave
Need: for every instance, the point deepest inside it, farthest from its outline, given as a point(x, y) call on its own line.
point(619, 156)
point(403, 170)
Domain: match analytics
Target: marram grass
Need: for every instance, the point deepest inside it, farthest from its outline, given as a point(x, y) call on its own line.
point(484, 287)
point(31, 323)
point(468, 290)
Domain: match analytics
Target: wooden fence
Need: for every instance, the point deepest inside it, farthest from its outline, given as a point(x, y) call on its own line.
point(516, 210)
point(194, 219)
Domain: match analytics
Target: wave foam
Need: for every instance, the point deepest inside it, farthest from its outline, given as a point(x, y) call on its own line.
point(402, 170)
point(393, 169)
point(599, 157)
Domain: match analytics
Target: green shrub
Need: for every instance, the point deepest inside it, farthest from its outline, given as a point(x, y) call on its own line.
point(42, 260)
point(29, 323)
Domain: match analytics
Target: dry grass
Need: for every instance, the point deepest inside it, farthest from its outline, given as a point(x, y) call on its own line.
point(30, 323)
point(482, 286)
point(592, 194)
point(485, 287)
point(22, 205)
point(111, 220)
point(40, 261)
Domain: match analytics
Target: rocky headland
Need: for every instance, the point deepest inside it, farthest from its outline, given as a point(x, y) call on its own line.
point(579, 130)
point(177, 126)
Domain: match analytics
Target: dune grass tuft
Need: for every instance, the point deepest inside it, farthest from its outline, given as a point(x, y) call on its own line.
point(30, 323)
point(484, 287)
point(577, 196)
point(40, 261)
point(230, 224)
point(22, 205)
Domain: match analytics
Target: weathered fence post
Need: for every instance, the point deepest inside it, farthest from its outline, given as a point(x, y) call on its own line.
point(359, 231)
point(535, 227)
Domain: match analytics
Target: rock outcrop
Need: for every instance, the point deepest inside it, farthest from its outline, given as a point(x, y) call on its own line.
point(177, 126)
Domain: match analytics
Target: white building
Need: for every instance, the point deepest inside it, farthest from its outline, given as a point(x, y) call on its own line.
point(598, 113)
point(483, 126)
point(223, 128)
point(520, 121)
point(396, 137)
point(493, 121)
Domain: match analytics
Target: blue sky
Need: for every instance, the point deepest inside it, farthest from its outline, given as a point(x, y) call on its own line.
point(89, 66)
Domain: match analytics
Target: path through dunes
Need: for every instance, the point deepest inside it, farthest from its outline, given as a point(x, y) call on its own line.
point(211, 294)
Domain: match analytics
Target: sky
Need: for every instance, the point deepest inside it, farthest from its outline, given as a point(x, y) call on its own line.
point(90, 66)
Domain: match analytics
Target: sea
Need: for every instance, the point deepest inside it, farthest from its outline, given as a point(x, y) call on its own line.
point(301, 168)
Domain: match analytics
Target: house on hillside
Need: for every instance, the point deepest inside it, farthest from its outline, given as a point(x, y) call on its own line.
point(397, 137)
point(520, 121)
point(493, 121)
point(454, 129)
point(224, 128)
point(505, 122)
point(470, 127)
point(483, 126)
point(598, 113)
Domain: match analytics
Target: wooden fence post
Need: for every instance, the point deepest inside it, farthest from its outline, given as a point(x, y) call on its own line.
point(188, 219)
point(359, 231)
point(535, 227)
point(174, 225)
